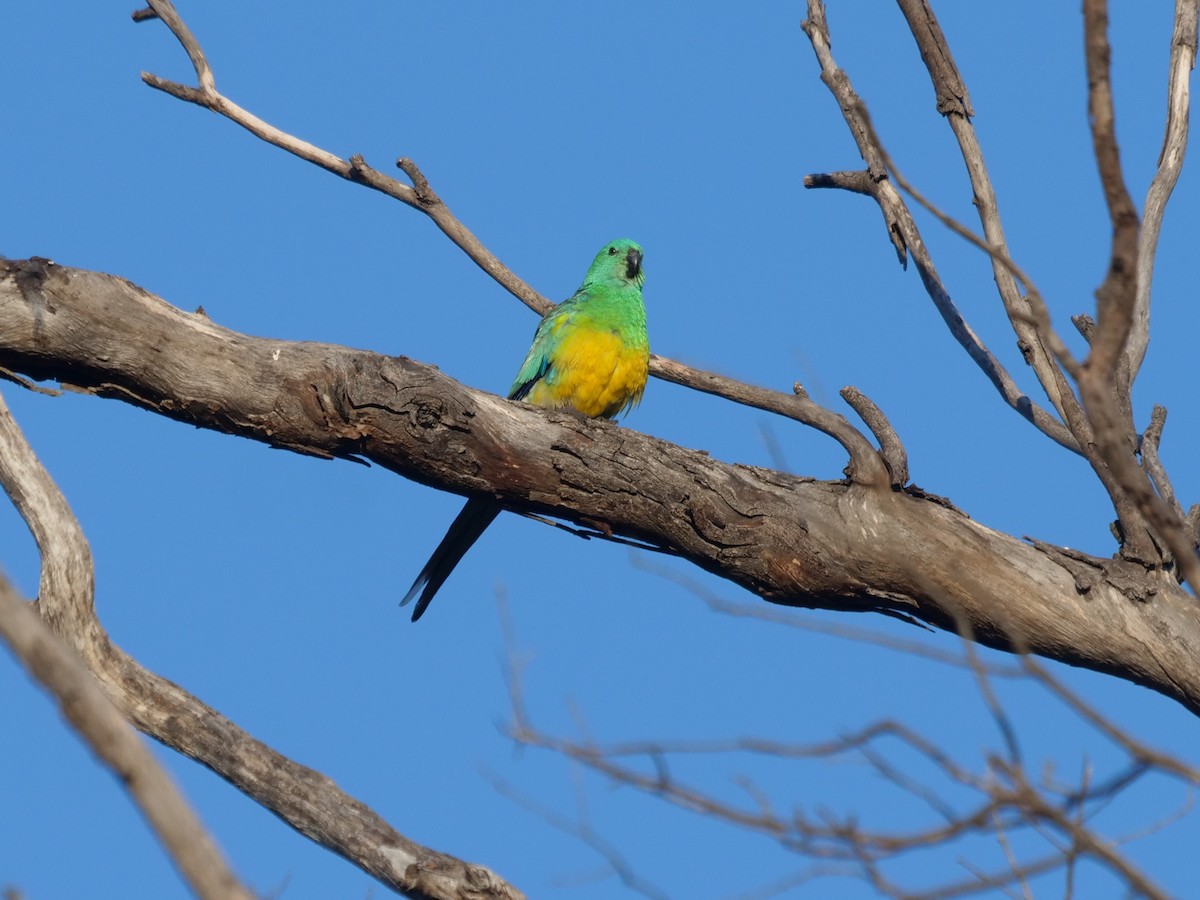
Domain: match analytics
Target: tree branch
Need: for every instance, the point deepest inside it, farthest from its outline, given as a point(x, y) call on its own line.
point(1170, 164)
point(890, 445)
point(1102, 430)
point(954, 104)
point(865, 466)
point(98, 722)
point(953, 800)
point(302, 797)
point(790, 540)
point(1104, 381)
point(903, 231)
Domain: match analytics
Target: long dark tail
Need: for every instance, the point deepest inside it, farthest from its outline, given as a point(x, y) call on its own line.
point(464, 531)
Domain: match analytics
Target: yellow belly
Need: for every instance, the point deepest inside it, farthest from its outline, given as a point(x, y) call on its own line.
point(595, 372)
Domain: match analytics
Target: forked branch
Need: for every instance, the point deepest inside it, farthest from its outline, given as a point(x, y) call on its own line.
point(1098, 423)
point(1104, 379)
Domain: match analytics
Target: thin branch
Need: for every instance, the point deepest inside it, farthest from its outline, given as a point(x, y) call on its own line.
point(1014, 866)
point(27, 384)
point(186, 841)
point(890, 445)
point(1099, 849)
point(983, 881)
point(857, 182)
point(904, 234)
point(1115, 297)
point(1142, 753)
point(1170, 163)
point(954, 103)
point(865, 467)
point(1009, 805)
point(1148, 447)
point(1033, 309)
point(354, 169)
point(582, 829)
point(166, 12)
point(1010, 808)
point(790, 619)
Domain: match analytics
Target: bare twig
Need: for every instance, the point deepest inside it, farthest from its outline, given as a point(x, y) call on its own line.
point(790, 619)
point(1085, 325)
point(582, 829)
point(1153, 465)
point(1008, 802)
point(1137, 750)
point(859, 182)
point(28, 384)
point(865, 465)
point(1170, 163)
point(890, 445)
point(1033, 310)
point(419, 196)
point(1003, 800)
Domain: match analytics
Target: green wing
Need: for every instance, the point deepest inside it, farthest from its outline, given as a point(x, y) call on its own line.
point(545, 343)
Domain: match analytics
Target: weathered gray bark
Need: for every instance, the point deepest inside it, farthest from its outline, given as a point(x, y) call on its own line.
point(790, 540)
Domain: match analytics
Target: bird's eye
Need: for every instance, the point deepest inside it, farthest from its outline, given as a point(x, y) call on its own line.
point(612, 251)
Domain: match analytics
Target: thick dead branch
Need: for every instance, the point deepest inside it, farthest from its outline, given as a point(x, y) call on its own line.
point(790, 540)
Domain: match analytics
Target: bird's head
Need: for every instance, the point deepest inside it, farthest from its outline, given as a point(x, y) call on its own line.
point(619, 263)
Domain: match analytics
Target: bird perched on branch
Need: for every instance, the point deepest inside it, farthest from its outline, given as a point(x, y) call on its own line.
point(591, 354)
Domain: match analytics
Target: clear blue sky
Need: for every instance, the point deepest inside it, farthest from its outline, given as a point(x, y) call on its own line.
point(267, 583)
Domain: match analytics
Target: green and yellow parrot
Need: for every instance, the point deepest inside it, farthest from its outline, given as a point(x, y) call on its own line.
point(590, 353)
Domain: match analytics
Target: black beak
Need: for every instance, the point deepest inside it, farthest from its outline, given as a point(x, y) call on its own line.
point(633, 264)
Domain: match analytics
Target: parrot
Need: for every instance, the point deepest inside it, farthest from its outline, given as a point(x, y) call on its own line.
point(590, 354)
